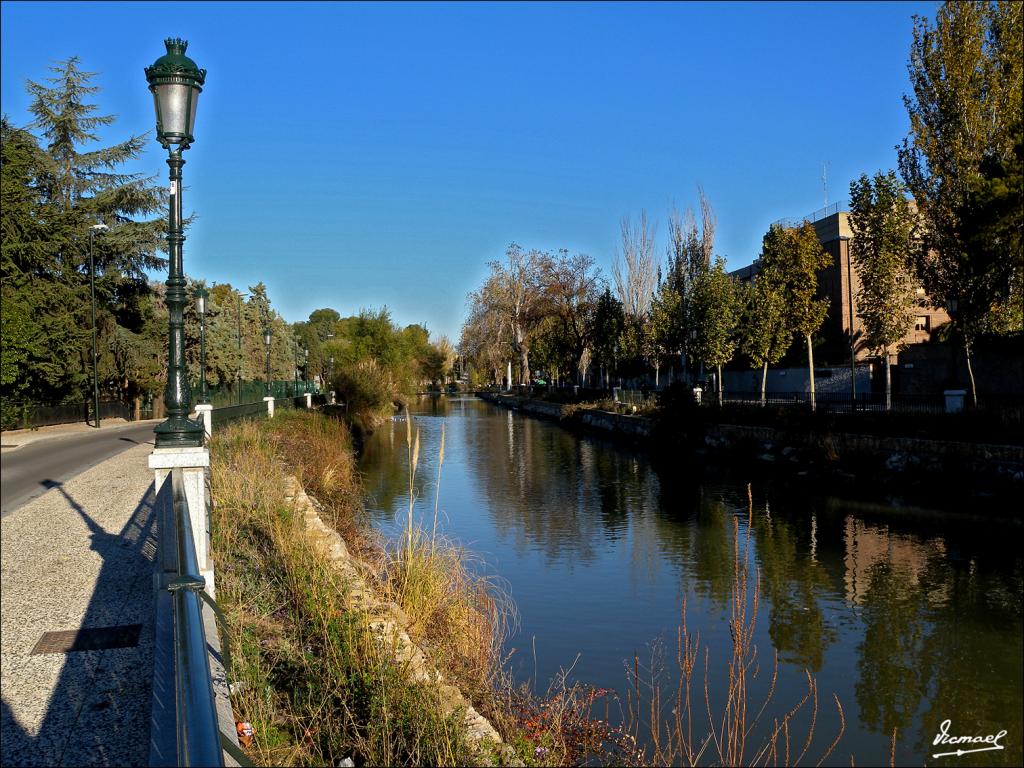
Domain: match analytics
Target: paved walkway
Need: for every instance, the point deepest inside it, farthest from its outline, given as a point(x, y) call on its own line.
point(15, 438)
point(79, 556)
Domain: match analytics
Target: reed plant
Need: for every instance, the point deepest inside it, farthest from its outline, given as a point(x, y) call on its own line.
point(459, 615)
point(693, 734)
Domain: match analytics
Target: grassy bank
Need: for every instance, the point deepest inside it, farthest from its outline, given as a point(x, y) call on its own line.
point(314, 683)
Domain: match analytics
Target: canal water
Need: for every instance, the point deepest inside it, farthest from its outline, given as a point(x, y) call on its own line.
point(910, 617)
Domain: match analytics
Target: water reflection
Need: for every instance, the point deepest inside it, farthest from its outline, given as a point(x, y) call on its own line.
point(909, 620)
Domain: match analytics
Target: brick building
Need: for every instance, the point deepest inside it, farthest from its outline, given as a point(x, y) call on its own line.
point(839, 283)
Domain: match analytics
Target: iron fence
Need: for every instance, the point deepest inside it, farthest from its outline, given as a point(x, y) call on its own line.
point(25, 415)
point(229, 413)
point(239, 393)
point(1008, 406)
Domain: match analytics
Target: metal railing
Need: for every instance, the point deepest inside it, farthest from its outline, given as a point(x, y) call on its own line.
point(245, 411)
point(197, 729)
point(25, 415)
point(240, 393)
point(818, 215)
point(873, 402)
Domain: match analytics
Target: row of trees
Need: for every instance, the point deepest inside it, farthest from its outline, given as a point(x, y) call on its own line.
point(951, 226)
point(56, 185)
point(556, 313)
point(959, 234)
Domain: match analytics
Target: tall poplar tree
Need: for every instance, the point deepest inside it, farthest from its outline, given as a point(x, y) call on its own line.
point(715, 313)
point(764, 333)
point(966, 76)
point(791, 258)
point(882, 224)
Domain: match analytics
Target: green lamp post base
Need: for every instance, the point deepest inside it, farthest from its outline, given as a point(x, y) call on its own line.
point(179, 432)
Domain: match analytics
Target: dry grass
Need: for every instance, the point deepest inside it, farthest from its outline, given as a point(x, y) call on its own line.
point(315, 684)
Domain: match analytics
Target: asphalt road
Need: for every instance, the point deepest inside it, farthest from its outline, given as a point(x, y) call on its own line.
point(32, 469)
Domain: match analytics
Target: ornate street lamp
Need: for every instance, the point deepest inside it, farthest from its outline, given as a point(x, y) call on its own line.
point(176, 82)
point(266, 340)
point(92, 289)
point(201, 295)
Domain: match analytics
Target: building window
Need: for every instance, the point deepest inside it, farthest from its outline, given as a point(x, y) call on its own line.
point(921, 323)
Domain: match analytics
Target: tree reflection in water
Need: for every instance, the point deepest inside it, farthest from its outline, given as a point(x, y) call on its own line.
point(911, 619)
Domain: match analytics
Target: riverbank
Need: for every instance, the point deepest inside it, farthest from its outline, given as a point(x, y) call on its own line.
point(347, 644)
point(323, 657)
point(979, 476)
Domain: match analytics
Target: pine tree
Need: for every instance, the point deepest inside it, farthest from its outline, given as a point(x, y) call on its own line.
point(72, 187)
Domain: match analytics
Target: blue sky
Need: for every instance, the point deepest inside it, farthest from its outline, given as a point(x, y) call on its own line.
point(357, 155)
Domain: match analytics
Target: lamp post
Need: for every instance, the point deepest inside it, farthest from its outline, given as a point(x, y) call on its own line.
point(305, 367)
point(296, 367)
point(853, 350)
point(92, 290)
point(266, 340)
point(201, 295)
point(238, 316)
point(176, 82)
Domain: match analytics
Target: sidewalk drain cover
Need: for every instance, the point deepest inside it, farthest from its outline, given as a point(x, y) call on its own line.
point(90, 639)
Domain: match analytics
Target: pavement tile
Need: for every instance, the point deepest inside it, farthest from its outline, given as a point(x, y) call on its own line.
point(112, 730)
point(79, 555)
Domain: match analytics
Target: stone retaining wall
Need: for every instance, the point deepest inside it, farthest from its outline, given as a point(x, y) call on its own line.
point(388, 622)
point(947, 459)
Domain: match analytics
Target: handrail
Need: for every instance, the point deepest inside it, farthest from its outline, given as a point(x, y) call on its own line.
point(198, 733)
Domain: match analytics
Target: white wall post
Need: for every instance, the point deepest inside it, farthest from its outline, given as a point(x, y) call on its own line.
point(270, 406)
point(205, 411)
point(194, 464)
point(309, 400)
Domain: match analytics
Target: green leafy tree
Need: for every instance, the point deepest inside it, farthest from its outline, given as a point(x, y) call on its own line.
point(609, 323)
point(689, 257)
point(715, 313)
point(54, 194)
point(966, 76)
point(791, 258)
point(668, 324)
point(882, 224)
point(764, 332)
point(991, 229)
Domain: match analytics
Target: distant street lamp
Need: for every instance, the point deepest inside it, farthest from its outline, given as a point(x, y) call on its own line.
point(92, 289)
point(296, 368)
point(305, 367)
point(176, 82)
point(238, 315)
point(201, 295)
point(330, 372)
point(266, 340)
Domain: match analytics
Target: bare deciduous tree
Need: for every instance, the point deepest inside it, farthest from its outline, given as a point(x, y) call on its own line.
point(634, 269)
point(573, 285)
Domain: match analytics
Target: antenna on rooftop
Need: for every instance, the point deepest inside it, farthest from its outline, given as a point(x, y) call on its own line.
point(824, 180)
